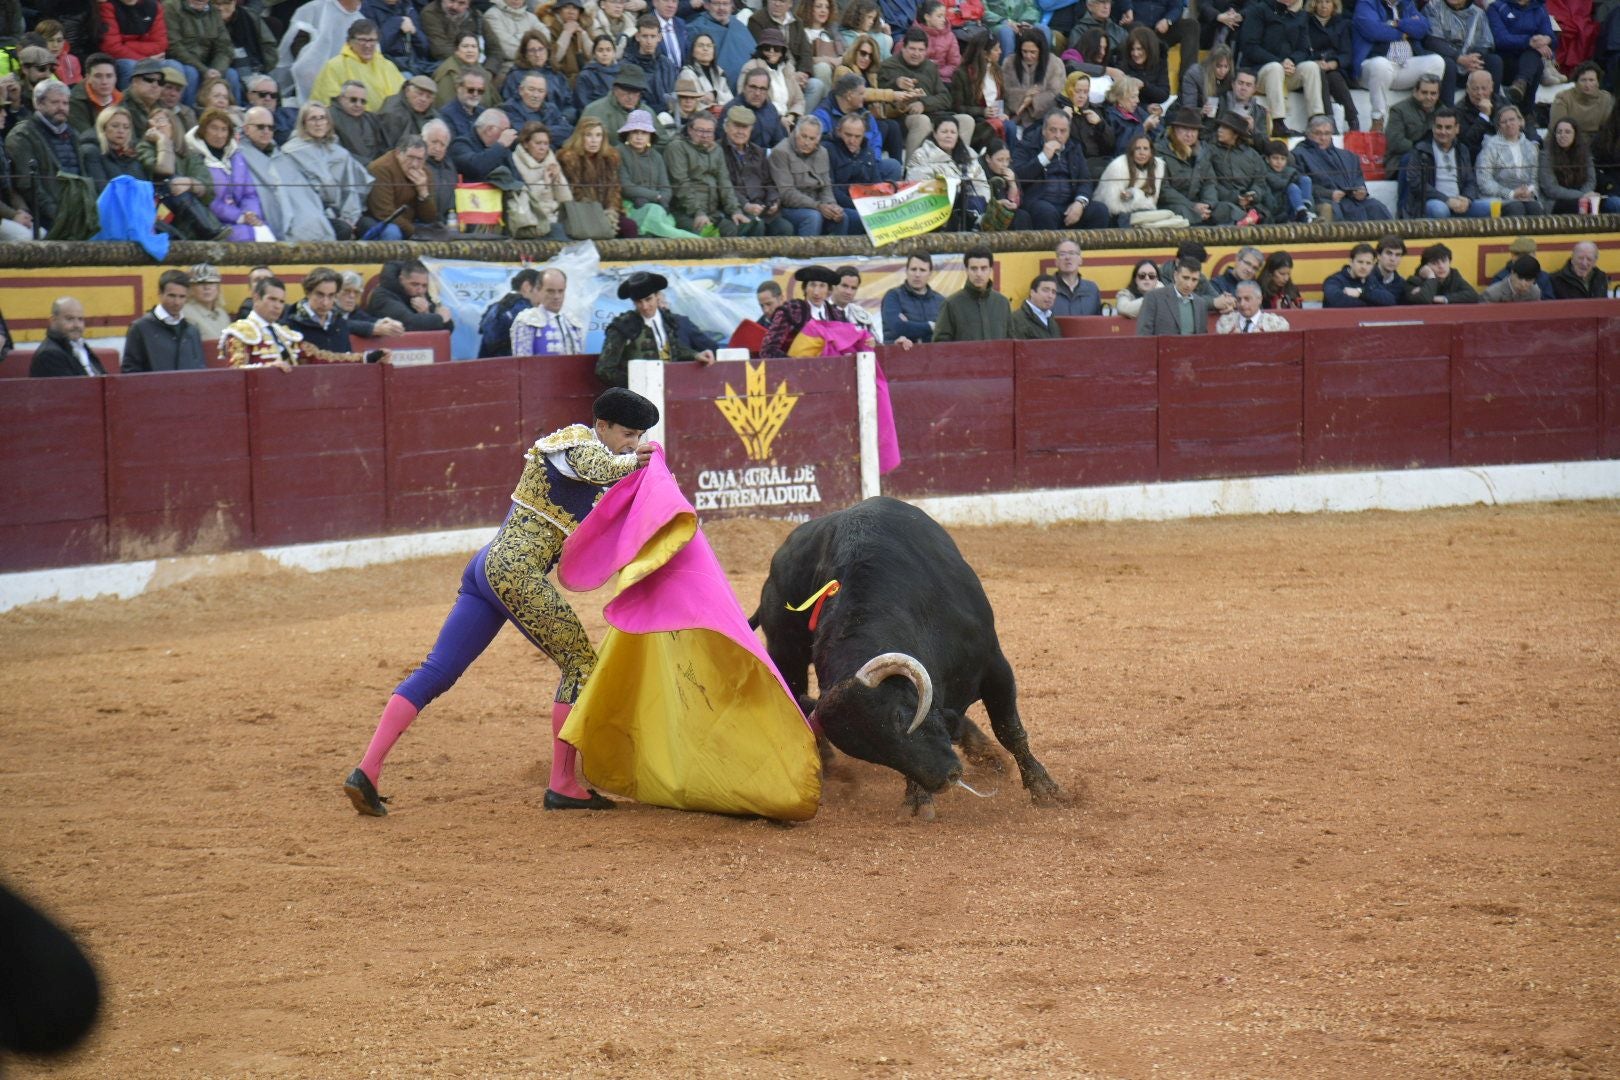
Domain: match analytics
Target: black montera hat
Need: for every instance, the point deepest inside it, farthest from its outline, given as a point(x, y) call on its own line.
point(807, 274)
point(627, 408)
point(640, 285)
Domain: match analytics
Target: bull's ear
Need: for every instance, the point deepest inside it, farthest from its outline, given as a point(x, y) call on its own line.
point(807, 704)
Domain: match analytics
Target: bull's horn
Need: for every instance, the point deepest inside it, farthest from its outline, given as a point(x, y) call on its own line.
point(881, 667)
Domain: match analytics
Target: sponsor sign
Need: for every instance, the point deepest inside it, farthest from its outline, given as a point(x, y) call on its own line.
point(898, 212)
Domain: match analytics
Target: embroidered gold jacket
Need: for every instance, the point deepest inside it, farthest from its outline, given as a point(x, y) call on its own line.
point(252, 342)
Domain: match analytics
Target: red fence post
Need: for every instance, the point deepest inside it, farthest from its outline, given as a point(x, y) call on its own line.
point(53, 473)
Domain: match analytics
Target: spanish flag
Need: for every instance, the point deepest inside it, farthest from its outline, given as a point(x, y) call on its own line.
point(685, 708)
point(478, 204)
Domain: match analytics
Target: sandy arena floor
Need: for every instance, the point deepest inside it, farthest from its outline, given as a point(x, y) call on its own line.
point(1346, 803)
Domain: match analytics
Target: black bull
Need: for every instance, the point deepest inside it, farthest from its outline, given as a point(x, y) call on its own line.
point(901, 652)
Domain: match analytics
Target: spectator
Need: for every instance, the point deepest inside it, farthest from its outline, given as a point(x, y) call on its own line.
point(1440, 174)
point(1141, 61)
point(1580, 278)
point(133, 31)
point(911, 310)
point(262, 92)
point(441, 172)
point(169, 94)
point(1206, 82)
point(622, 100)
point(144, 93)
point(647, 52)
point(329, 171)
point(644, 178)
point(162, 340)
point(1336, 179)
point(818, 19)
point(535, 213)
point(1436, 282)
point(1035, 320)
point(733, 41)
point(1032, 78)
point(1520, 284)
point(534, 57)
point(865, 17)
point(317, 317)
point(1144, 279)
point(644, 333)
point(887, 103)
point(610, 19)
point(16, 224)
point(543, 329)
point(110, 152)
point(1073, 294)
point(843, 296)
point(1355, 286)
point(803, 175)
point(944, 154)
point(1387, 52)
point(1522, 246)
point(1233, 174)
point(1130, 188)
point(215, 93)
point(1329, 35)
point(689, 101)
point(292, 209)
point(756, 96)
point(797, 61)
point(172, 165)
point(361, 62)
point(704, 70)
point(750, 173)
point(257, 341)
point(1387, 274)
point(64, 65)
point(1584, 102)
point(199, 41)
point(205, 308)
point(704, 197)
point(1508, 164)
point(592, 169)
point(674, 37)
point(457, 80)
point(1276, 281)
point(407, 112)
point(487, 149)
point(361, 322)
point(851, 160)
point(769, 296)
point(1524, 36)
point(63, 352)
point(1410, 122)
point(401, 198)
point(1099, 17)
point(236, 198)
point(1245, 267)
point(1567, 175)
point(1176, 310)
point(533, 107)
point(911, 69)
point(444, 22)
point(1460, 32)
point(1478, 110)
point(977, 89)
point(505, 23)
point(357, 129)
point(771, 57)
point(316, 33)
point(253, 46)
point(790, 317)
point(1005, 211)
point(1249, 318)
point(98, 90)
point(849, 97)
point(402, 294)
point(1287, 194)
point(400, 39)
point(1056, 181)
point(255, 275)
point(1276, 39)
point(595, 79)
point(1241, 103)
point(1182, 192)
point(495, 327)
point(42, 147)
point(977, 312)
point(1125, 116)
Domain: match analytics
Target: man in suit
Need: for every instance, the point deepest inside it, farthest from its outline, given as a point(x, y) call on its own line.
point(1178, 309)
point(1034, 320)
point(63, 352)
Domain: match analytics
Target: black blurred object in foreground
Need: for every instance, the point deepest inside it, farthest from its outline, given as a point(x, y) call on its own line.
point(49, 993)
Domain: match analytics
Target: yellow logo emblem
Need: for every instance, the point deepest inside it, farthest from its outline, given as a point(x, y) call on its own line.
point(758, 418)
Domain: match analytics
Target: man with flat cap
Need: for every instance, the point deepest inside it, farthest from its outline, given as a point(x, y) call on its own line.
point(789, 317)
point(646, 333)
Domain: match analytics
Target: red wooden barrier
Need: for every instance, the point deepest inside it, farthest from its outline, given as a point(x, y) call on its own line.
point(1609, 386)
point(178, 473)
point(554, 391)
point(1087, 415)
point(53, 473)
point(410, 349)
point(454, 442)
point(1378, 399)
point(953, 408)
point(18, 361)
point(1525, 395)
point(1225, 412)
point(319, 465)
point(1075, 326)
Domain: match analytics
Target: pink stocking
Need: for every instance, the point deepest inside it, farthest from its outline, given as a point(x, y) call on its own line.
point(396, 717)
point(564, 758)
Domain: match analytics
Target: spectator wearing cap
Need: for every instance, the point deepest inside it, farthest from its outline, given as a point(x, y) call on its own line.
point(647, 332)
point(171, 92)
point(42, 147)
point(1437, 282)
point(689, 101)
point(64, 353)
point(643, 176)
point(359, 130)
point(410, 110)
point(801, 168)
point(199, 40)
point(360, 60)
point(162, 339)
point(1522, 246)
point(96, 91)
point(754, 92)
point(35, 64)
point(205, 309)
point(790, 316)
point(1337, 183)
point(533, 105)
point(750, 172)
point(786, 90)
point(144, 93)
point(704, 196)
point(488, 148)
point(646, 52)
point(623, 99)
point(1520, 285)
point(1179, 153)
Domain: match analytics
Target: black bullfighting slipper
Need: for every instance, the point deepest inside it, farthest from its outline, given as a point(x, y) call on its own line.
point(364, 795)
point(597, 801)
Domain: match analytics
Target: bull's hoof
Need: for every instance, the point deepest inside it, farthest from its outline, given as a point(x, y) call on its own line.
point(1043, 790)
point(920, 801)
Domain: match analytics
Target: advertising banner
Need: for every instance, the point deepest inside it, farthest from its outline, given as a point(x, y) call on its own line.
point(892, 212)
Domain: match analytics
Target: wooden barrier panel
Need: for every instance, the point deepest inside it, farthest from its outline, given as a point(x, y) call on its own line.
point(1525, 393)
point(53, 473)
point(1609, 386)
point(18, 361)
point(178, 472)
point(554, 391)
point(773, 438)
point(454, 442)
point(319, 467)
point(1322, 318)
point(1379, 398)
point(953, 409)
point(1230, 407)
point(410, 349)
point(1087, 414)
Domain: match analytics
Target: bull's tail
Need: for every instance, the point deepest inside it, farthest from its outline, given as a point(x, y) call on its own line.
point(753, 620)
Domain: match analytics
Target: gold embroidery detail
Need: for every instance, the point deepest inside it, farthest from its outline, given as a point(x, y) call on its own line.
point(521, 555)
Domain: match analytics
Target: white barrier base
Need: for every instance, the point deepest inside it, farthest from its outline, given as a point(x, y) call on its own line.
point(1411, 489)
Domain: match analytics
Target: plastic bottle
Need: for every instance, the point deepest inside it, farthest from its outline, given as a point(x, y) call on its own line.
point(451, 223)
